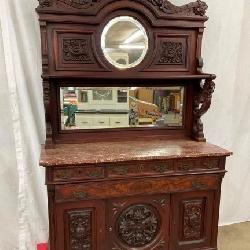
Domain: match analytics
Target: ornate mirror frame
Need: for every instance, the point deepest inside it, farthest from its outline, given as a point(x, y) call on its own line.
point(72, 55)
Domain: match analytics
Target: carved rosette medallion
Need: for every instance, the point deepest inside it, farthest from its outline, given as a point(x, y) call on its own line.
point(80, 230)
point(192, 220)
point(76, 50)
point(138, 225)
point(80, 4)
point(171, 53)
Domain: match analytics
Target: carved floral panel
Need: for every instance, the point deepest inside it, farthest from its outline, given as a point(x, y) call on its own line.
point(77, 50)
point(138, 225)
point(193, 219)
point(171, 53)
point(80, 230)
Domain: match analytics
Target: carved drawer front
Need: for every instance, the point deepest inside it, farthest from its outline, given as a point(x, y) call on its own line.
point(80, 173)
point(192, 220)
point(202, 164)
point(154, 168)
point(80, 226)
point(108, 189)
point(138, 223)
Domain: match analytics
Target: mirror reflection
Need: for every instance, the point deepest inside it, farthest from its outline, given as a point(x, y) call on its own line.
point(124, 42)
point(116, 107)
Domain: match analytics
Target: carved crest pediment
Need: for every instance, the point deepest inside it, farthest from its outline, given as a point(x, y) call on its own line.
point(197, 8)
point(80, 4)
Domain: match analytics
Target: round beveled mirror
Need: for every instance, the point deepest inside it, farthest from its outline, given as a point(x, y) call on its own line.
point(124, 42)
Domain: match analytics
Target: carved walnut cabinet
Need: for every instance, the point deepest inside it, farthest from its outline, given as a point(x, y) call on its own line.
point(127, 163)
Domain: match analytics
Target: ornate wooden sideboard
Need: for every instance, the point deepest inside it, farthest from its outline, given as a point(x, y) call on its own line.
point(127, 163)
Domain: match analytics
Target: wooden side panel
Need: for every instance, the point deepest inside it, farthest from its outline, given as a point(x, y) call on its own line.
point(191, 221)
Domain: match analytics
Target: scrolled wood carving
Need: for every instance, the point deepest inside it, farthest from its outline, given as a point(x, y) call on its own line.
point(138, 225)
point(45, 3)
point(80, 230)
point(192, 220)
point(79, 4)
point(198, 8)
point(202, 103)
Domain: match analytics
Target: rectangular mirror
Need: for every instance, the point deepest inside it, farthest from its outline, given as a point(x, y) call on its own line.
point(121, 107)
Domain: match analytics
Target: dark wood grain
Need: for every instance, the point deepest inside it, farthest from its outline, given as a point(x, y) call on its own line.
point(129, 188)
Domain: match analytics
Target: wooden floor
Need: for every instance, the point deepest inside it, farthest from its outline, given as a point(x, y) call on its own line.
point(234, 237)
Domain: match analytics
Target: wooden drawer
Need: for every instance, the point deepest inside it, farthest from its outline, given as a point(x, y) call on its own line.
point(141, 169)
point(119, 121)
point(189, 165)
point(81, 173)
point(101, 121)
point(119, 188)
point(83, 121)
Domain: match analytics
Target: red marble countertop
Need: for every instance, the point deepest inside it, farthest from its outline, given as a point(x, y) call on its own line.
point(106, 152)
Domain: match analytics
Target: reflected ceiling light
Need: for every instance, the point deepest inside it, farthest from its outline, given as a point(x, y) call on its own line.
point(133, 88)
point(134, 36)
point(131, 46)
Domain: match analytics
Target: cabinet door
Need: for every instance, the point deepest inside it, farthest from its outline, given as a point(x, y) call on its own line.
point(80, 226)
point(191, 221)
point(138, 223)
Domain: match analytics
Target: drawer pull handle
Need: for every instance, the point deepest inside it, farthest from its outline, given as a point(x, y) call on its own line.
point(185, 168)
point(121, 170)
point(161, 169)
point(198, 185)
point(64, 175)
point(209, 166)
point(95, 174)
point(80, 195)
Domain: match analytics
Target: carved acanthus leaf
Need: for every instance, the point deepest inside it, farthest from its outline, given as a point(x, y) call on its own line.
point(80, 4)
point(202, 103)
point(195, 8)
